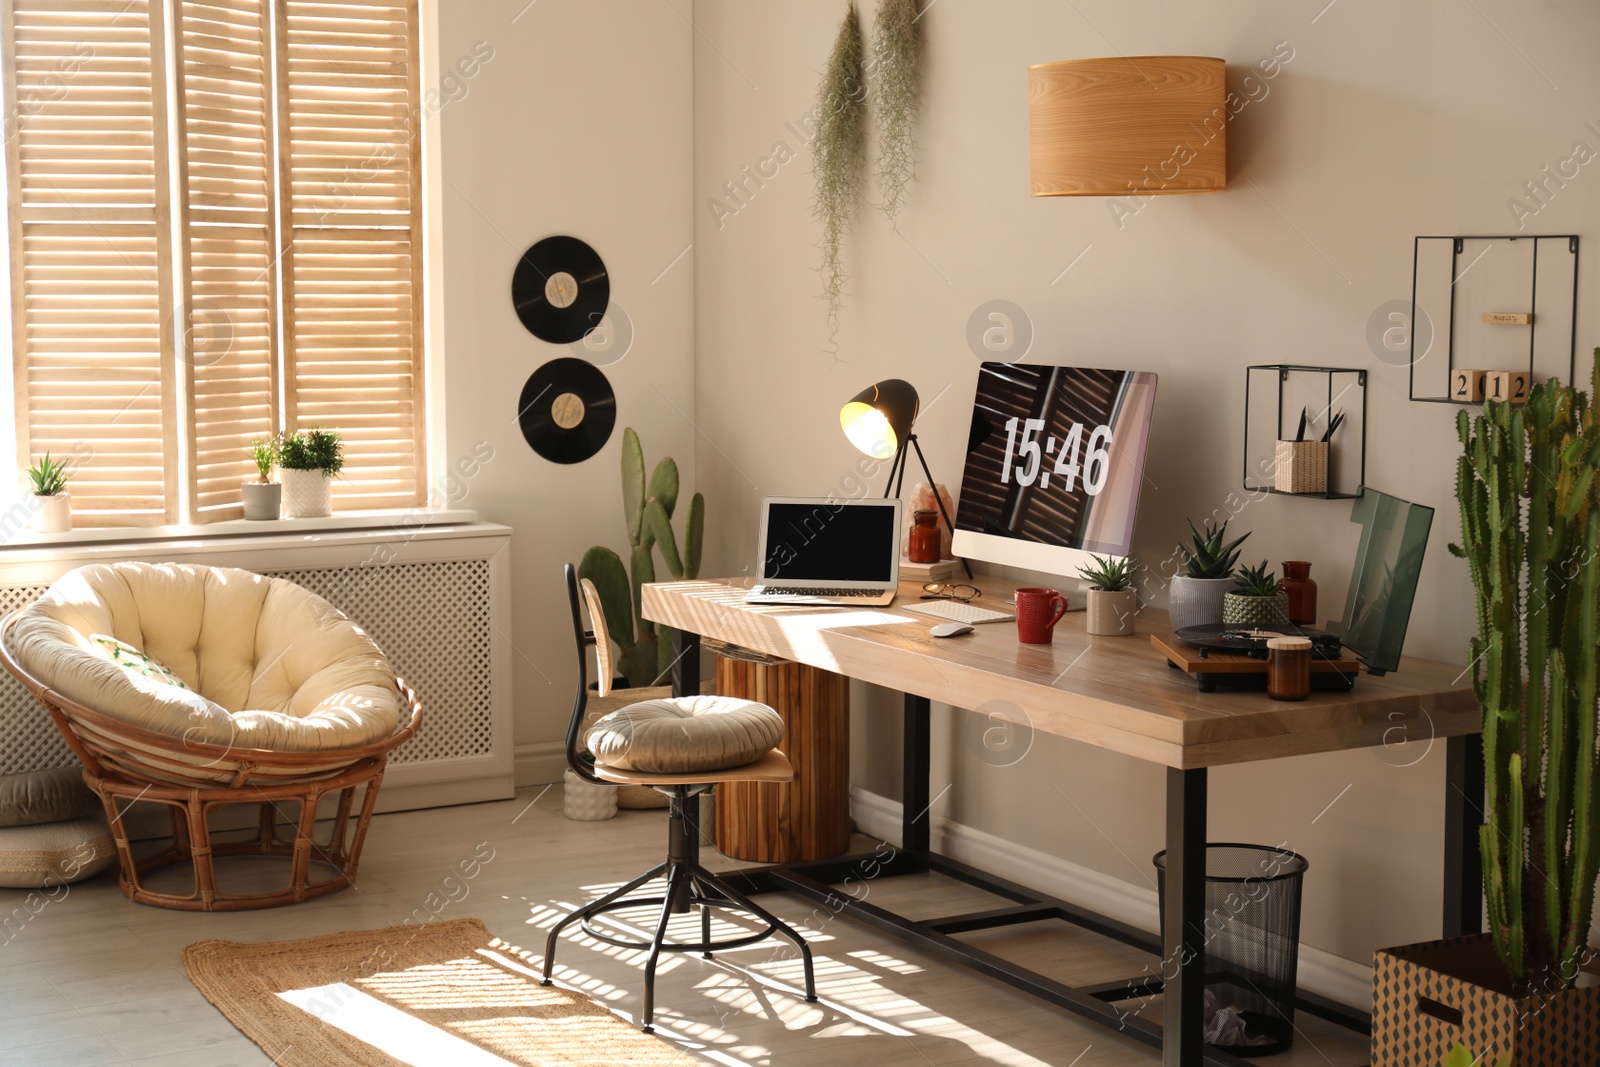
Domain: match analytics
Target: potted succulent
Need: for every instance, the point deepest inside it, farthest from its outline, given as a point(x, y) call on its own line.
point(1196, 595)
point(1112, 602)
point(1256, 599)
point(307, 462)
point(54, 503)
point(1530, 533)
point(262, 497)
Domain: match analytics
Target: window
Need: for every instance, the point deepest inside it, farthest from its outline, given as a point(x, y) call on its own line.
point(216, 230)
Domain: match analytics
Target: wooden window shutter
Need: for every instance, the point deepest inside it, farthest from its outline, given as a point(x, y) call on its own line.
point(87, 174)
point(349, 119)
point(225, 137)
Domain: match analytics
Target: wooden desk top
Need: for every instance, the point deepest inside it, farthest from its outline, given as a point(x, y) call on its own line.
point(1114, 692)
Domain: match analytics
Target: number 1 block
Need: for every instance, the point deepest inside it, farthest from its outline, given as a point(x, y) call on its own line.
point(1467, 385)
point(1507, 385)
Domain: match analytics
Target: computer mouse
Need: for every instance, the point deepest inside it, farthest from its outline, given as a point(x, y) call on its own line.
point(950, 629)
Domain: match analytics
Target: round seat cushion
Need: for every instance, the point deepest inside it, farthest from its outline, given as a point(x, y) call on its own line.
point(55, 853)
point(32, 797)
point(685, 735)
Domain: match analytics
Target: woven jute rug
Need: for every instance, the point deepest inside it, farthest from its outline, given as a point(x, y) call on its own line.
point(444, 992)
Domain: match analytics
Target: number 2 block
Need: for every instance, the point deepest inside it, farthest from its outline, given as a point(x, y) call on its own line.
point(1508, 385)
point(1467, 385)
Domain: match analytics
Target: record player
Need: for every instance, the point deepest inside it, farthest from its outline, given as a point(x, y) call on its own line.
point(1377, 611)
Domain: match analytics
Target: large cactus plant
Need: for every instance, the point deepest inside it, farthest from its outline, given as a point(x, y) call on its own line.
point(646, 653)
point(1530, 532)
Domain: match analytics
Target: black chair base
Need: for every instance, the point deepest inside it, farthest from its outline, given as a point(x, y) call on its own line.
point(689, 886)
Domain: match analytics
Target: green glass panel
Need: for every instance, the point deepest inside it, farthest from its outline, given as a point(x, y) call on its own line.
point(1383, 583)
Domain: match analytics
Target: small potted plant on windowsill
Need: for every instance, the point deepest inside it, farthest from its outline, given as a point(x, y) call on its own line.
point(54, 503)
point(1256, 599)
point(1196, 595)
point(262, 497)
point(1112, 602)
point(307, 462)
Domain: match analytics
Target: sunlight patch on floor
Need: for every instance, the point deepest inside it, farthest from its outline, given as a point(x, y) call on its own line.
point(388, 1029)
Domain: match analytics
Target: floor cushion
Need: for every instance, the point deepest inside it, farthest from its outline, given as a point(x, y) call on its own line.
point(33, 797)
point(54, 853)
point(683, 735)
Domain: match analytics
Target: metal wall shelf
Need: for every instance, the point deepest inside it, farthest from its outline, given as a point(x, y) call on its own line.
point(1554, 314)
point(1260, 464)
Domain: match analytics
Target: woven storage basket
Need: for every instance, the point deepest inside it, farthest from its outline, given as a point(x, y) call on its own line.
point(1302, 467)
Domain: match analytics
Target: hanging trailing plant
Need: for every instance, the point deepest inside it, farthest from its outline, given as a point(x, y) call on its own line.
point(897, 77)
point(839, 154)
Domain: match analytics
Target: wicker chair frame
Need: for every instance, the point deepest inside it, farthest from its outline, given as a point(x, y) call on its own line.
point(126, 763)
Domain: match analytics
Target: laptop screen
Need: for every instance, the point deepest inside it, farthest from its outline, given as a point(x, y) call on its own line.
point(829, 542)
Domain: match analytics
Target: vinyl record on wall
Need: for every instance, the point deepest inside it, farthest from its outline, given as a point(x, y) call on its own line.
point(560, 289)
point(567, 410)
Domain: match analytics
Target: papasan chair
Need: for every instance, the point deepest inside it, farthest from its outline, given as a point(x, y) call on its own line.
point(204, 687)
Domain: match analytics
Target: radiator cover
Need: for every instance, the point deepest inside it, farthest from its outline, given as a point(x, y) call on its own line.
point(435, 598)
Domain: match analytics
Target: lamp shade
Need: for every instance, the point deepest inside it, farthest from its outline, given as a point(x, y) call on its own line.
point(1128, 126)
point(878, 419)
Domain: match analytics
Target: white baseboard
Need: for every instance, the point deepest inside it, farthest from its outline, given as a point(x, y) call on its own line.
point(1320, 972)
point(540, 763)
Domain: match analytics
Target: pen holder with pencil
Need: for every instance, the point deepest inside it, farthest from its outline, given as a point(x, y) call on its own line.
point(1302, 467)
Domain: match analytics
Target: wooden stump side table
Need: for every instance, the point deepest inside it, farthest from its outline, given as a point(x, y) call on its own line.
point(809, 818)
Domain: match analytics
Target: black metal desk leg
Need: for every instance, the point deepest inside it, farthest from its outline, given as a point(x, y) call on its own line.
point(1183, 963)
point(1463, 814)
point(914, 816)
point(685, 664)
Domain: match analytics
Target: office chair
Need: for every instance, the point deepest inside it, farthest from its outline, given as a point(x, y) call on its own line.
point(717, 728)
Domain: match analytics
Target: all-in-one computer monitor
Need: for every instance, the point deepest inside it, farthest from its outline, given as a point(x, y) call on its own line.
point(1055, 464)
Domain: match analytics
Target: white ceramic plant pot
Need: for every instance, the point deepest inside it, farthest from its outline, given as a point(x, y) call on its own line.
point(306, 494)
point(1197, 601)
point(54, 514)
point(583, 801)
point(1111, 613)
point(261, 499)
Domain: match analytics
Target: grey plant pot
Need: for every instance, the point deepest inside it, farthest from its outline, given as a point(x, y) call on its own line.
point(1197, 601)
point(261, 499)
point(1241, 610)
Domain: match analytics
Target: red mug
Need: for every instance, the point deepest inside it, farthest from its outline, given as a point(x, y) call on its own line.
point(1038, 611)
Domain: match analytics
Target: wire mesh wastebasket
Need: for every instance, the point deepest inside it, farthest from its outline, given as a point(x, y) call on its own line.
point(1252, 945)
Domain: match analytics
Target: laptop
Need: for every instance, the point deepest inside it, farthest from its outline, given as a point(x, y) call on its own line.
point(818, 550)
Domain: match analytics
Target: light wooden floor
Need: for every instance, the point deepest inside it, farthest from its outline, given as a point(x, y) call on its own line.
point(95, 979)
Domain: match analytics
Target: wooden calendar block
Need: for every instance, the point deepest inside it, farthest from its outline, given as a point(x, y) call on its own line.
point(1467, 385)
point(1509, 385)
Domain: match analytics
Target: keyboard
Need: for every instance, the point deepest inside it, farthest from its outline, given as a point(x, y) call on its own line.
point(956, 611)
point(827, 594)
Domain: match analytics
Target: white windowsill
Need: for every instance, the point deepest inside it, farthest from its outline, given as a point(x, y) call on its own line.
point(398, 519)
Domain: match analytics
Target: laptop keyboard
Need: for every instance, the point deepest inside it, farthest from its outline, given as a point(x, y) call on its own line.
point(832, 594)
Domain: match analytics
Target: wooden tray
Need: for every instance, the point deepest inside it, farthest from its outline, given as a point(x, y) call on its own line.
point(1210, 668)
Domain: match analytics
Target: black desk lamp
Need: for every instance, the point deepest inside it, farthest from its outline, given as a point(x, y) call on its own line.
point(878, 421)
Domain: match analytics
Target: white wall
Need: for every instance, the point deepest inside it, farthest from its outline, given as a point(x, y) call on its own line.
point(1388, 122)
point(579, 124)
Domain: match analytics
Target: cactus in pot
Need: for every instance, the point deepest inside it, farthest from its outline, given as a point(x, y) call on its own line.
point(1256, 599)
point(1529, 491)
point(648, 507)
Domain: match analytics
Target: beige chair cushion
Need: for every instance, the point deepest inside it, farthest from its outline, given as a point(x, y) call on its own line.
point(270, 665)
point(55, 853)
point(34, 797)
point(682, 735)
